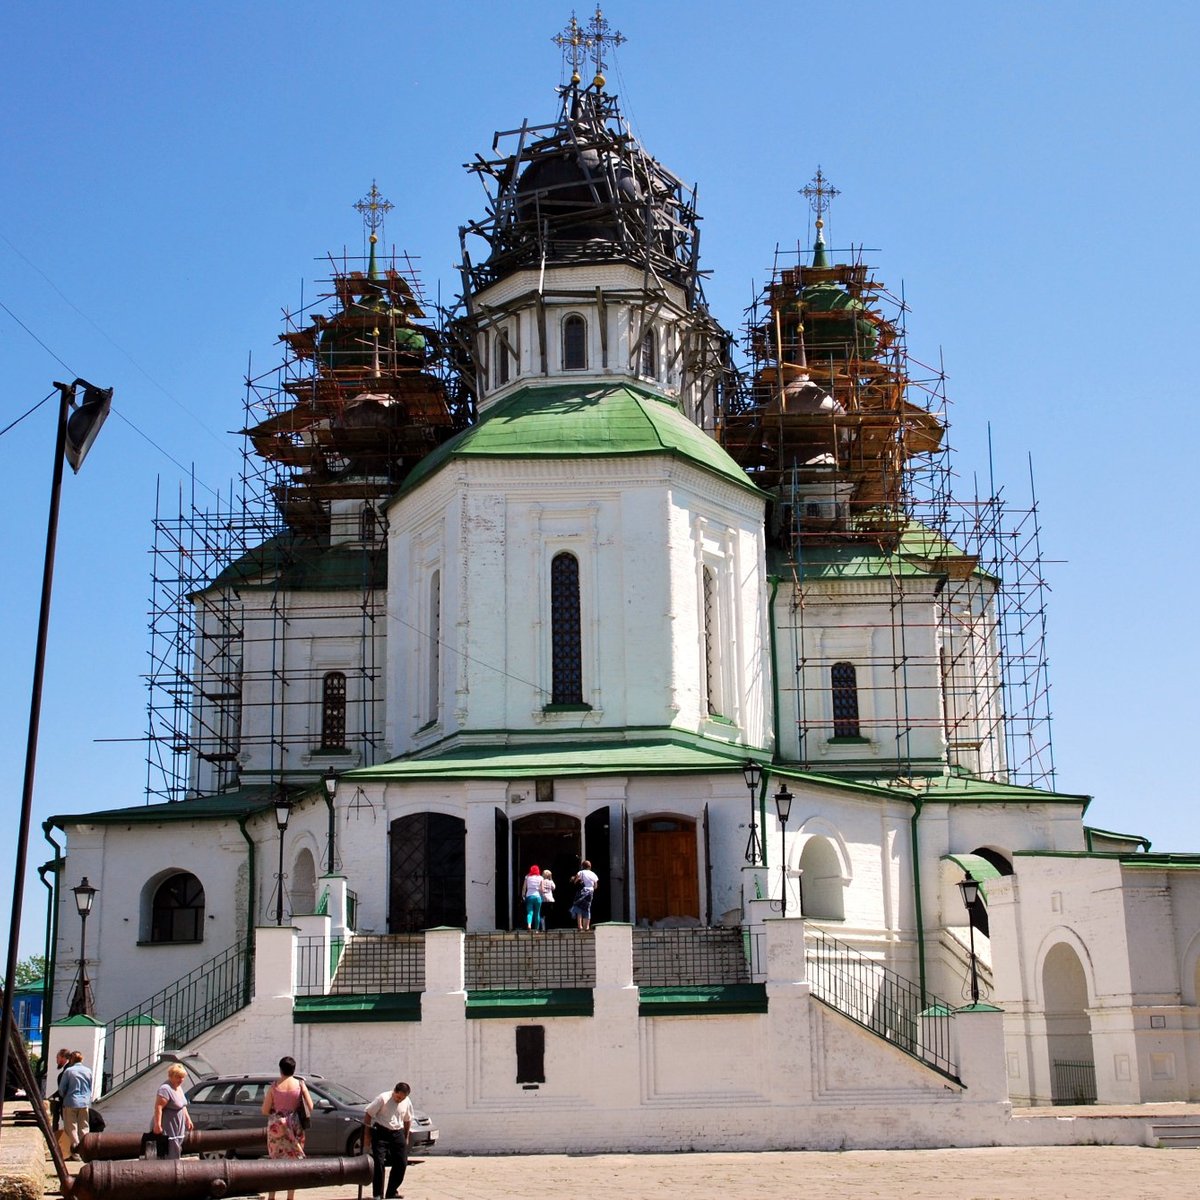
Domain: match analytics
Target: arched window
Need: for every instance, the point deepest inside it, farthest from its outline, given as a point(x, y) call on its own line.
point(177, 910)
point(368, 524)
point(566, 652)
point(333, 711)
point(435, 643)
point(648, 355)
point(501, 360)
point(845, 700)
point(822, 890)
point(574, 343)
point(712, 647)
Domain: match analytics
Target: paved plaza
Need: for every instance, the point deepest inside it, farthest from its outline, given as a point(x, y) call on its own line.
point(1075, 1173)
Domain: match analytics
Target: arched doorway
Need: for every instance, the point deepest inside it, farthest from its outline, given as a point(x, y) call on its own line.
point(304, 884)
point(822, 895)
point(665, 865)
point(428, 872)
point(551, 840)
point(1068, 1028)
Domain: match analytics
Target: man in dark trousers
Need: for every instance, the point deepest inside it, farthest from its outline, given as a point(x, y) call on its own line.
point(388, 1121)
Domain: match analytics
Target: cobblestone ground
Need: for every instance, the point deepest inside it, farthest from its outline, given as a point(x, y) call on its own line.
point(1074, 1173)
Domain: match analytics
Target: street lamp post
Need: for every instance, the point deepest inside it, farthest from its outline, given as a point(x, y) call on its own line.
point(783, 809)
point(81, 1002)
point(752, 774)
point(76, 430)
point(970, 893)
point(283, 813)
point(330, 780)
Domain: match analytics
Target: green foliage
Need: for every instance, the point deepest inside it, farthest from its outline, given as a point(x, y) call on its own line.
point(31, 970)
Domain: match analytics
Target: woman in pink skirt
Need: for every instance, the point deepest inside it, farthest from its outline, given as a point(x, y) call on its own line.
point(282, 1105)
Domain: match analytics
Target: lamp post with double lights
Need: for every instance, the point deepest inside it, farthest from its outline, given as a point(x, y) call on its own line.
point(76, 430)
point(283, 814)
point(783, 809)
point(330, 780)
point(970, 893)
point(81, 1001)
point(752, 774)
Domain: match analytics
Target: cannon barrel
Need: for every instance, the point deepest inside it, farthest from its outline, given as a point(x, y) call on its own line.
point(130, 1145)
point(151, 1179)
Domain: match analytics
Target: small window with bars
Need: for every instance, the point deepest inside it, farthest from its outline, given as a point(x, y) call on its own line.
point(844, 683)
point(333, 711)
point(566, 651)
point(574, 339)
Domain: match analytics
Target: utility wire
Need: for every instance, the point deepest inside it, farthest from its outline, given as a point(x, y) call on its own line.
point(28, 412)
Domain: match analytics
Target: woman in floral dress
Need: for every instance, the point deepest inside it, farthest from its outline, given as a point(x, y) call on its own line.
point(281, 1105)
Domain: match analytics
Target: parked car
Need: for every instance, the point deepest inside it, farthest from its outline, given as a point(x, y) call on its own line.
point(235, 1102)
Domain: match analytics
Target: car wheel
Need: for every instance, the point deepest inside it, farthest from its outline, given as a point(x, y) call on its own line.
point(354, 1147)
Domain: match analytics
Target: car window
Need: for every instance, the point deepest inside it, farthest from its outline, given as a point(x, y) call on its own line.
point(209, 1093)
point(248, 1092)
point(342, 1095)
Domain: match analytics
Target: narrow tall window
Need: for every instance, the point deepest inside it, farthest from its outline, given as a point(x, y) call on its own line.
point(435, 643)
point(368, 524)
point(333, 711)
point(712, 660)
point(177, 910)
point(501, 360)
point(574, 337)
point(648, 358)
point(566, 653)
point(845, 700)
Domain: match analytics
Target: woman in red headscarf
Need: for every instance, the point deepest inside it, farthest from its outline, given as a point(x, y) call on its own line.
point(533, 898)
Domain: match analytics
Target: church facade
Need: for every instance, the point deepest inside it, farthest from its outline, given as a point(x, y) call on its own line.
point(559, 581)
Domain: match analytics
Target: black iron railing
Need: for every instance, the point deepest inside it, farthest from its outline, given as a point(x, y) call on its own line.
point(1074, 1082)
point(186, 1008)
point(875, 997)
point(370, 965)
point(688, 957)
point(312, 950)
point(558, 958)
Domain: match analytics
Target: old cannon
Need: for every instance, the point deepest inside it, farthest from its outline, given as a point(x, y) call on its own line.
point(152, 1179)
point(95, 1146)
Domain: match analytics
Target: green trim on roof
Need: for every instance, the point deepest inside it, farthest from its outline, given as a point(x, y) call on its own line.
point(583, 420)
point(80, 1020)
point(1154, 862)
point(301, 564)
point(530, 1002)
point(386, 1006)
point(1090, 830)
point(561, 759)
point(977, 867)
point(702, 1001)
point(226, 805)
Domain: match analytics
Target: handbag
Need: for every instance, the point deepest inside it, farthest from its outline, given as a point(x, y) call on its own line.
point(304, 1112)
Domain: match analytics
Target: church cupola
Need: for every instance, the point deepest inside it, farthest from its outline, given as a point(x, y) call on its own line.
point(589, 267)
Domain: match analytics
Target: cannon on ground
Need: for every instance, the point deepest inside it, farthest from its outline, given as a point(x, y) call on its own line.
point(97, 1146)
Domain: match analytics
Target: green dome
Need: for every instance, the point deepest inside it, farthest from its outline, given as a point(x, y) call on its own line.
point(842, 336)
point(348, 341)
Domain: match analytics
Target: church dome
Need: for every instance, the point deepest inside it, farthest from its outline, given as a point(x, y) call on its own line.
point(578, 193)
point(348, 342)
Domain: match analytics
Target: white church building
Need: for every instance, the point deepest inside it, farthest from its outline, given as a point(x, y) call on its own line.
point(577, 575)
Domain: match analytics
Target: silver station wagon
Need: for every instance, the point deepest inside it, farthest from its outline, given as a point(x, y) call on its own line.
point(235, 1102)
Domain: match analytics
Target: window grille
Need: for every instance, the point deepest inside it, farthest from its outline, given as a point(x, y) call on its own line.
point(177, 913)
point(712, 671)
point(333, 711)
point(845, 700)
point(566, 648)
point(574, 335)
point(648, 365)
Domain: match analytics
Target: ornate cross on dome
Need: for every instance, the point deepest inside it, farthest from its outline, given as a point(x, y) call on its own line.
point(598, 37)
point(573, 46)
point(373, 207)
point(819, 193)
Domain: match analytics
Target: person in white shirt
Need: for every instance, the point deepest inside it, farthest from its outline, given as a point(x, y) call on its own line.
point(586, 880)
point(388, 1122)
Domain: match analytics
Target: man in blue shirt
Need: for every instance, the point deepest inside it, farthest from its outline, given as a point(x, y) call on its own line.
point(75, 1087)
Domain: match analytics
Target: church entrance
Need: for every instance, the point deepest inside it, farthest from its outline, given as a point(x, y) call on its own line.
point(427, 872)
point(665, 869)
point(550, 840)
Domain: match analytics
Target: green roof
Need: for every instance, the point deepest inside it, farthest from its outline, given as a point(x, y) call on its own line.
point(561, 759)
point(583, 421)
point(1157, 862)
point(241, 803)
point(530, 1002)
point(977, 867)
point(302, 564)
point(920, 552)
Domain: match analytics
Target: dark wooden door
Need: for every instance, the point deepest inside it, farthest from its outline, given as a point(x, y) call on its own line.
point(665, 869)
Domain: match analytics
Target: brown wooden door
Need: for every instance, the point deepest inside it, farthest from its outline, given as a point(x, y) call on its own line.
point(665, 869)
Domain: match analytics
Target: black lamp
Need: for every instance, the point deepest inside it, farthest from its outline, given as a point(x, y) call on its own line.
point(752, 774)
point(330, 780)
point(283, 814)
point(81, 1001)
point(970, 894)
point(783, 809)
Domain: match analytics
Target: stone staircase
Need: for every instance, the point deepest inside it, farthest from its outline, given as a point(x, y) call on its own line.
point(1175, 1135)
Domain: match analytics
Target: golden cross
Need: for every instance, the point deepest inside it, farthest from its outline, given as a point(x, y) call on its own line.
point(373, 206)
point(598, 37)
point(819, 193)
point(572, 44)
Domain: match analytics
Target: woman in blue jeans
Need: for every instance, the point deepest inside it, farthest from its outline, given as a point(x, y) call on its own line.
point(533, 898)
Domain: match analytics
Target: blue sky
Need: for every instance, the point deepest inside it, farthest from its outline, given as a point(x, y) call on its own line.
point(174, 173)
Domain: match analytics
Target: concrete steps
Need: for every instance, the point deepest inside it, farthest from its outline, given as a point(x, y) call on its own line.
point(1175, 1135)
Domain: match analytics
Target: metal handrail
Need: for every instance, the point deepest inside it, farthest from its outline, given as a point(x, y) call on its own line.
point(190, 1006)
point(880, 1000)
